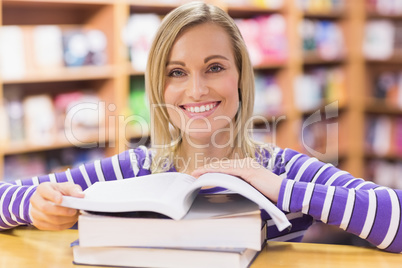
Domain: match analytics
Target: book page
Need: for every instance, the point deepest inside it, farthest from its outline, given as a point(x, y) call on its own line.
point(238, 185)
point(207, 206)
point(165, 193)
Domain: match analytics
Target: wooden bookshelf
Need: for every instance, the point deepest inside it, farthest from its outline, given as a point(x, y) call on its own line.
point(386, 108)
point(112, 81)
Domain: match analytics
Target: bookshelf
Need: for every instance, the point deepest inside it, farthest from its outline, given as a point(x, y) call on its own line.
point(111, 81)
point(382, 105)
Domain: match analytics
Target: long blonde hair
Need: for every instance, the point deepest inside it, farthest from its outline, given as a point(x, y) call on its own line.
point(165, 137)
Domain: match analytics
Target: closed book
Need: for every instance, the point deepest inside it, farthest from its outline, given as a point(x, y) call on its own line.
point(163, 257)
point(194, 257)
point(214, 220)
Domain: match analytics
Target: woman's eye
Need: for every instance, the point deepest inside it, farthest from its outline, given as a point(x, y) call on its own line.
point(176, 73)
point(215, 68)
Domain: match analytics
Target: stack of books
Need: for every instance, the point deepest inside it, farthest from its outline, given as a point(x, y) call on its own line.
point(163, 220)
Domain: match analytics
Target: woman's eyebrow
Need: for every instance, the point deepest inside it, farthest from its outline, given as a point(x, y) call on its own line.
point(214, 57)
point(205, 60)
point(175, 63)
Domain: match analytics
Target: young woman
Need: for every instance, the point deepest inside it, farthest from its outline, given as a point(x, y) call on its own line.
point(200, 85)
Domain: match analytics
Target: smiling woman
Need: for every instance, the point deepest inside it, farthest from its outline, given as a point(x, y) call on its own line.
point(205, 87)
point(204, 103)
point(200, 83)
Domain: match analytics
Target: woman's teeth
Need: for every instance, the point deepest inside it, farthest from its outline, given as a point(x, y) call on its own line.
point(200, 109)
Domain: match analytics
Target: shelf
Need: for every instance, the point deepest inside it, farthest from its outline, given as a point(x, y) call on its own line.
point(325, 15)
point(260, 120)
point(315, 59)
point(64, 74)
point(396, 58)
point(250, 11)
point(375, 106)
point(60, 143)
point(388, 156)
point(160, 8)
point(62, 12)
point(377, 15)
point(270, 66)
point(341, 107)
point(233, 10)
point(44, 3)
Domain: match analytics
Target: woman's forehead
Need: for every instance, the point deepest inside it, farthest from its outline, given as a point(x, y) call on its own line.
point(201, 40)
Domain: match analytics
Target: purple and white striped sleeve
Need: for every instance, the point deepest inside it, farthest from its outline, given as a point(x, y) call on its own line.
point(15, 197)
point(335, 197)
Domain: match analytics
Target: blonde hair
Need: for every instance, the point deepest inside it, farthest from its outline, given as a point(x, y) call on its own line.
point(165, 137)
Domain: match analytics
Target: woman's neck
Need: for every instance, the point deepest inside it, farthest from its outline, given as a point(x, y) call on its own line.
point(190, 157)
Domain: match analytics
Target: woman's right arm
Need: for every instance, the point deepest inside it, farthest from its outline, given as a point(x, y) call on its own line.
point(33, 201)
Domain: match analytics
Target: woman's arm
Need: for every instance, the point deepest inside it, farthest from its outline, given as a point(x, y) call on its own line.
point(335, 197)
point(299, 183)
point(32, 201)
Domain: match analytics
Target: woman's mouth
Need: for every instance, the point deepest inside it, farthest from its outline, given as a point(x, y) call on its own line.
point(200, 109)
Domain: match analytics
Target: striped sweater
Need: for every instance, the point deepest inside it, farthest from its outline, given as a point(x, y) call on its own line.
point(311, 190)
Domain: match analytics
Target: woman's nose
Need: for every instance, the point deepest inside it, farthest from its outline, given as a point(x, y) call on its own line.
point(196, 87)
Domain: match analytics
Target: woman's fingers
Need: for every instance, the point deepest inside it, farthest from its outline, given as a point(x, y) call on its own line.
point(54, 191)
point(46, 213)
point(249, 170)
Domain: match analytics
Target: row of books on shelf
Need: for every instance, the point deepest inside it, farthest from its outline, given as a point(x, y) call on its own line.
point(384, 136)
point(321, 5)
point(49, 48)
point(45, 119)
point(318, 86)
point(270, 4)
point(385, 7)
point(268, 96)
point(265, 37)
point(41, 163)
point(382, 39)
point(323, 39)
point(165, 220)
point(387, 86)
point(386, 173)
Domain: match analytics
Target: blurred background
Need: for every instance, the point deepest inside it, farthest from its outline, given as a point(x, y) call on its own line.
point(328, 82)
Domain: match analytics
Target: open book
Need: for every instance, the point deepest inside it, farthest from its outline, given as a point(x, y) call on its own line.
point(170, 193)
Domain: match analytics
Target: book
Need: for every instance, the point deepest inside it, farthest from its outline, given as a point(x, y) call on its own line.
point(214, 220)
point(169, 193)
point(39, 119)
point(165, 257)
point(162, 257)
point(12, 52)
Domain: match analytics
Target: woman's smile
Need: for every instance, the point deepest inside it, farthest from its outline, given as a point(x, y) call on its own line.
point(204, 109)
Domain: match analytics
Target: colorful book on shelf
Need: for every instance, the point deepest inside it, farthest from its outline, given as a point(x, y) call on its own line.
point(165, 257)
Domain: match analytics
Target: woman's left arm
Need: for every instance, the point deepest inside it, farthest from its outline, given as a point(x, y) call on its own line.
point(299, 183)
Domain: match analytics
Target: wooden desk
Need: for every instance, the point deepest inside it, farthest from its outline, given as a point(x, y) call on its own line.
point(27, 247)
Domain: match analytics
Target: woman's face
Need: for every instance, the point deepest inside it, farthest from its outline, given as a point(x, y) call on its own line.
point(201, 91)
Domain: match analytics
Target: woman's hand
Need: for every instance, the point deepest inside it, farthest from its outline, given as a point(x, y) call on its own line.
point(249, 170)
point(45, 211)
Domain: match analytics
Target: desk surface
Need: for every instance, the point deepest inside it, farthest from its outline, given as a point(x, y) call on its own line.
point(27, 247)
